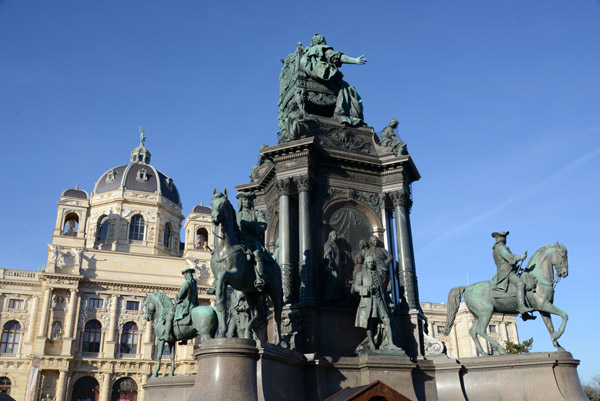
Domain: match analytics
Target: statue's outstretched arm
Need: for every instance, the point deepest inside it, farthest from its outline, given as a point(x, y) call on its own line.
point(351, 60)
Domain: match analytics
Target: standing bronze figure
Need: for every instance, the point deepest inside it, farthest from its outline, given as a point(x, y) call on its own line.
point(375, 305)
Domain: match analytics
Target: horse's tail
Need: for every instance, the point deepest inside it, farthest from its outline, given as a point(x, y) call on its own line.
point(454, 298)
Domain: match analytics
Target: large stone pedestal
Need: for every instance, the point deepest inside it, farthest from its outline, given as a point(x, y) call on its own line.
point(538, 376)
point(236, 369)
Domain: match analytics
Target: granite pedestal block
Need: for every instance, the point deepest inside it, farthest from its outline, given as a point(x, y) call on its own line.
point(237, 369)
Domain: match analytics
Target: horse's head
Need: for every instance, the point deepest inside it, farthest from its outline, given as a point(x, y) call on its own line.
point(559, 260)
point(149, 308)
point(219, 205)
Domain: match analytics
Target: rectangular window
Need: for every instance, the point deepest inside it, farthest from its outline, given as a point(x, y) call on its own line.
point(440, 329)
point(493, 328)
point(15, 304)
point(95, 303)
point(132, 305)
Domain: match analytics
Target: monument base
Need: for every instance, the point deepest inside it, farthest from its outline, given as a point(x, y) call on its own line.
point(238, 369)
point(169, 388)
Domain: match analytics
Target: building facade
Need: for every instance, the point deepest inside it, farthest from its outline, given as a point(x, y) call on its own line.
point(458, 343)
point(84, 314)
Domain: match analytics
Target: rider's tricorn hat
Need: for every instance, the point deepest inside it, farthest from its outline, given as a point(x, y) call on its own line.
point(500, 234)
point(188, 270)
point(249, 195)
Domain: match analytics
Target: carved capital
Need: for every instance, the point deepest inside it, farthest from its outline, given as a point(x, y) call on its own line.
point(400, 198)
point(303, 183)
point(284, 186)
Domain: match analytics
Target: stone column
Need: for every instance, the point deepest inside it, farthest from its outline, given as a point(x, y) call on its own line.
point(105, 390)
point(43, 330)
point(113, 318)
point(60, 385)
point(72, 313)
point(285, 250)
point(406, 269)
point(306, 256)
point(33, 321)
point(384, 221)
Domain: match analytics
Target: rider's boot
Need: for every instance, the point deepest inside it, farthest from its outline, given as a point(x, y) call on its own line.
point(521, 299)
point(259, 283)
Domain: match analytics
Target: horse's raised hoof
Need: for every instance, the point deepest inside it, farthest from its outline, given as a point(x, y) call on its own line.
point(528, 316)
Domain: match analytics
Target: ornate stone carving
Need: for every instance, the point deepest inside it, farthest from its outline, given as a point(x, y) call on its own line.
point(304, 183)
point(433, 346)
point(371, 199)
point(400, 198)
point(56, 331)
point(284, 186)
point(292, 329)
point(346, 140)
point(201, 269)
point(287, 282)
point(59, 301)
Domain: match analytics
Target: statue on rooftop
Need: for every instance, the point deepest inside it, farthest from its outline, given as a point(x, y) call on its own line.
point(390, 140)
point(322, 62)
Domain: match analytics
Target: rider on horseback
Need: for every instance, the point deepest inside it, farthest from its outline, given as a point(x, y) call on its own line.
point(253, 225)
point(506, 264)
point(185, 300)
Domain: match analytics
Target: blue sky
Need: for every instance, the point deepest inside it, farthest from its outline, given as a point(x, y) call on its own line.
point(498, 102)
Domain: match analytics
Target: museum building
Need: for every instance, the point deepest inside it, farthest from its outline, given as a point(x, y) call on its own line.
point(84, 314)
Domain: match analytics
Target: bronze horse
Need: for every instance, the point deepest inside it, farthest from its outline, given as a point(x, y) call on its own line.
point(204, 324)
point(539, 273)
point(233, 265)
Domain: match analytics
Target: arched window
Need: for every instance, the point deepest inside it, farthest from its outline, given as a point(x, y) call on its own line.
point(86, 388)
point(167, 235)
point(124, 389)
point(129, 338)
point(5, 385)
point(71, 225)
point(102, 229)
point(91, 336)
point(136, 228)
point(11, 334)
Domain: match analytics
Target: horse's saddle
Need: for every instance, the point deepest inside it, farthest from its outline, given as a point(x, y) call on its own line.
point(530, 286)
point(184, 321)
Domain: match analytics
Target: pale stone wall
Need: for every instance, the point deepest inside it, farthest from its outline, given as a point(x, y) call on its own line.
point(459, 344)
point(56, 302)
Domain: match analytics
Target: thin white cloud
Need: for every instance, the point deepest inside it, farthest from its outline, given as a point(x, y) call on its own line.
point(566, 170)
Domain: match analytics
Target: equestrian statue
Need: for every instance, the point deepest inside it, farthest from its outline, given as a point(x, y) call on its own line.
point(514, 290)
point(241, 261)
point(180, 322)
